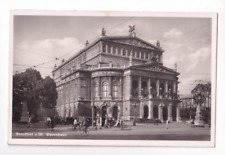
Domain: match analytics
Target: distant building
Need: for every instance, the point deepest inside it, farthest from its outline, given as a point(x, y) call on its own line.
point(186, 102)
point(117, 76)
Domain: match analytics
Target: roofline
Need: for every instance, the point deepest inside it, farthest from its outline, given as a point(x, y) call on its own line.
point(77, 54)
point(123, 37)
point(104, 38)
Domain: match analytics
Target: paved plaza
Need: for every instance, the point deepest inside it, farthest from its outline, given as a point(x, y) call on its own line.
point(176, 131)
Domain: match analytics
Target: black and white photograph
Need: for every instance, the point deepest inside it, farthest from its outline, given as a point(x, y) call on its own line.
point(112, 78)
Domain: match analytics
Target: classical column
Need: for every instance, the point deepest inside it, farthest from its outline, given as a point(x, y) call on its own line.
point(110, 87)
point(92, 113)
point(174, 87)
point(109, 114)
point(106, 48)
point(170, 118)
point(139, 87)
point(150, 112)
point(178, 114)
point(121, 94)
point(149, 88)
point(130, 85)
point(99, 87)
point(157, 87)
point(160, 112)
point(166, 88)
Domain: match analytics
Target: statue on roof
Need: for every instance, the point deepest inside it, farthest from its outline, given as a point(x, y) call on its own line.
point(158, 43)
point(132, 31)
point(87, 43)
point(103, 32)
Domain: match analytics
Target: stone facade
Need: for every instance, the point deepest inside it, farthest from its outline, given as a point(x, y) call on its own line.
point(117, 77)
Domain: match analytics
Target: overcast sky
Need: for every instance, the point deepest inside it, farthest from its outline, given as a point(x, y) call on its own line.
point(38, 40)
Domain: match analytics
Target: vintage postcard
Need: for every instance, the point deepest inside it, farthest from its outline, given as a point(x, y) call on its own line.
point(112, 78)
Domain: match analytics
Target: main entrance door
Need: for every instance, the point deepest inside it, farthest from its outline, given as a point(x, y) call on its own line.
point(104, 113)
point(165, 113)
point(115, 112)
point(155, 112)
point(146, 111)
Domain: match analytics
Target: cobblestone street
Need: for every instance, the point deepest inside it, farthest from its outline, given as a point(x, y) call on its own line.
point(176, 131)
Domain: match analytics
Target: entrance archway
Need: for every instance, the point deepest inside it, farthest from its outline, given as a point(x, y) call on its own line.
point(155, 112)
point(146, 111)
point(174, 113)
point(115, 112)
point(165, 113)
point(104, 113)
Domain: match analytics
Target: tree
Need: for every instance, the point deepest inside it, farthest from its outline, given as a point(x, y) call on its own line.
point(30, 87)
point(48, 93)
point(25, 86)
point(18, 96)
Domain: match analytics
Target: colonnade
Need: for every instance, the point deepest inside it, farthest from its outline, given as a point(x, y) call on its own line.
point(155, 87)
point(160, 111)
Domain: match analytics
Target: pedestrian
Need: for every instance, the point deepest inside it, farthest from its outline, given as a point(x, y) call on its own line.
point(167, 124)
point(75, 123)
point(29, 122)
point(52, 123)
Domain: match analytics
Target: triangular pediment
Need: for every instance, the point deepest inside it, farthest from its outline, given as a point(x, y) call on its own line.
point(155, 67)
point(133, 41)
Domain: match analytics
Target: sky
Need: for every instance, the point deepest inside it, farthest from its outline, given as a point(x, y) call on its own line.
point(39, 40)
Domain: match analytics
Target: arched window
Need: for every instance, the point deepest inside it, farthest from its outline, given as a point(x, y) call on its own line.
point(96, 89)
point(104, 89)
point(115, 89)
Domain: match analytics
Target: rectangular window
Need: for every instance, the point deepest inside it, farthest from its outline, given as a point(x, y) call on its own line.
point(146, 55)
point(137, 54)
point(114, 50)
point(103, 48)
point(96, 89)
point(118, 51)
point(128, 53)
point(142, 55)
point(124, 52)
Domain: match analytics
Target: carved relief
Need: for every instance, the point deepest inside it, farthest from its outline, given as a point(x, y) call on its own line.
point(134, 42)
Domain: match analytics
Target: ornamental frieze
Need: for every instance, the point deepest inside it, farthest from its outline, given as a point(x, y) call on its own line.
point(106, 73)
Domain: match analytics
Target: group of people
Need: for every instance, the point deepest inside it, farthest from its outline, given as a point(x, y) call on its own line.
point(83, 124)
